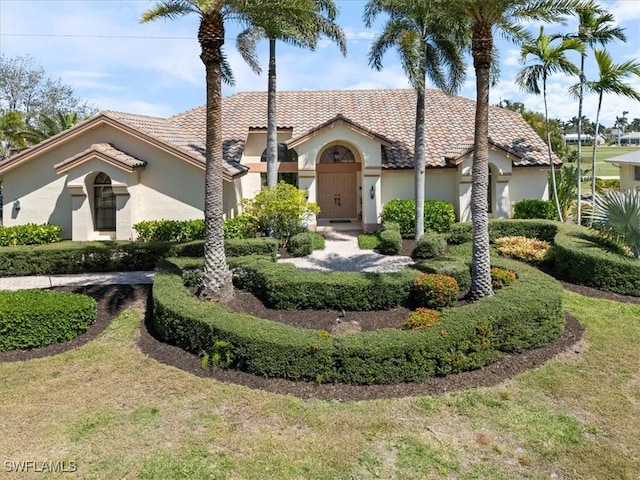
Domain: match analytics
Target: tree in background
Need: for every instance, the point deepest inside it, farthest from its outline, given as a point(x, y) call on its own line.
point(610, 81)
point(11, 139)
point(594, 28)
point(49, 126)
point(549, 57)
point(481, 18)
point(421, 32)
point(314, 18)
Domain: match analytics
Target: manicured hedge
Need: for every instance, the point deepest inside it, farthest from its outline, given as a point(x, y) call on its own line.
point(532, 228)
point(80, 257)
point(170, 230)
point(578, 258)
point(283, 286)
point(30, 234)
point(35, 318)
point(526, 314)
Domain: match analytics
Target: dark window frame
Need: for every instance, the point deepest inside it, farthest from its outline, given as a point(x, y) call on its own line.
point(104, 204)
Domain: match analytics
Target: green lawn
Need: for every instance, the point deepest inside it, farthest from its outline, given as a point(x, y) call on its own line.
point(603, 153)
point(118, 414)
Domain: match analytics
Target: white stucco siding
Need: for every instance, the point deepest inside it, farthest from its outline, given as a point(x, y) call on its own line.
point(627, 177)
point(440, 184)
point(528, 183)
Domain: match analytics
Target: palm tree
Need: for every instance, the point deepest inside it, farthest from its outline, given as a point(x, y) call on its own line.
point(50, 126)
point(216, 279)
point(480, 19)
point(618, 214)
point(610, 80)
point(11, 140)
point(549, 57)
point(304, 31)
point(421, 33)
point(593, 29)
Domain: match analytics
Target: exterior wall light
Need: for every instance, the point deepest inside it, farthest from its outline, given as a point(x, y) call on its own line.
point(372, 192)
point(16, 205)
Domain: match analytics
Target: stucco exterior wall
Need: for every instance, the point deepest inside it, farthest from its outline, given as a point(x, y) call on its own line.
point(527, 183)
point(627, 177)
point(440, 184)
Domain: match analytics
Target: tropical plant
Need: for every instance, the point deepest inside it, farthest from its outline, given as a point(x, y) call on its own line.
point(11, 124)
point(480, 18)
point(216, 278)
point(303, 28)
point(610, 80)
point(618, 214)
point(593, 29)
point(421, 32)
point(548, 58)
point(567, 182)
point(49, 126)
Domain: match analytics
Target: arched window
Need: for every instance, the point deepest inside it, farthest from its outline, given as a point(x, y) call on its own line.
point(104, 203)
point(337, 154)
point(284, 154)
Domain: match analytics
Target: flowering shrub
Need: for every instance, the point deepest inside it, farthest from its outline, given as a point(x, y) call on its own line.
point(529, 250)
point(421, 319)
point(434, 290)
point(501, 277)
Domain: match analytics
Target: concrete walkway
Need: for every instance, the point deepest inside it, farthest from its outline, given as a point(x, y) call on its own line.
point(341, 253)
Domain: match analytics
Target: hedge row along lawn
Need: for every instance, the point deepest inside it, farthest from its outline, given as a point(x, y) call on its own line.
point(35, 318)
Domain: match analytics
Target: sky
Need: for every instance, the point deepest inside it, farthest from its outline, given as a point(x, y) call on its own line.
point(114, 62)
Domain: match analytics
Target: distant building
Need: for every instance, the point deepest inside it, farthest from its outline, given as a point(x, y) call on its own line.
point(631, 138)
point(586, 139)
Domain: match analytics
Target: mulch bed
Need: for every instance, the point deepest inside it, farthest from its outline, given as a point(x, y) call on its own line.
point(114, 299)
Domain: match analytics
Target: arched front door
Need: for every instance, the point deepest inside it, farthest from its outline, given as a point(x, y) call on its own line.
point(337, 173)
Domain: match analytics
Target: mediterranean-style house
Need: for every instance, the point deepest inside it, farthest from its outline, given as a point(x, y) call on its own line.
point(629, 166)
point(351, 150)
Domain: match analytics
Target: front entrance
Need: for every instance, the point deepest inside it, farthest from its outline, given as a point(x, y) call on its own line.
point(337, 195)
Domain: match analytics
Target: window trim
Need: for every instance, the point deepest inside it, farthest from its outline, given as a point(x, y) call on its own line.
point(103, 193)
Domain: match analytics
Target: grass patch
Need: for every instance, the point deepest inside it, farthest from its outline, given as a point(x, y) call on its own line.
point(119, 414)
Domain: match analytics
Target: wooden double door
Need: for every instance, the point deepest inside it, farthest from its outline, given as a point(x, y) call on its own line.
point(337, 195)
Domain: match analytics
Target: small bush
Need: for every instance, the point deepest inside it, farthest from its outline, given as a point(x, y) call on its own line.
point(534, 208)
point(35, 318)
point(501, 277)
point(390, 242)
point(438, 215)
point(430, 245)
point(301, 244)
point(390, 226)
point(529, 250)
point(368, 241)
point(450, 266)
point(30, 234)
point(434, 290)
point(604, 184)
point(238, 227)
point(169, 230)
point(421, 319)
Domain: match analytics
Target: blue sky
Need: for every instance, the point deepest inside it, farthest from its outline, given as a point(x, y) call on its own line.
point(100, 48)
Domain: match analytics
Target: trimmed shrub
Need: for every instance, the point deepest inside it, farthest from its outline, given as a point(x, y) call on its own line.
point(30, 234)
point(544, 209)
point(438, 215)
point(35, 318)
point(390, 226)
point(241, 226)
point(301, 244)
point(527, 315)
point(450, 266)
point(170, 230)
point(501, 277)
point(390, 242)
point(421, 319)
point(532, 228)
point(368, 241)
point(282, 286)
point(434, 290)
point(430, 245)
point(529, 250)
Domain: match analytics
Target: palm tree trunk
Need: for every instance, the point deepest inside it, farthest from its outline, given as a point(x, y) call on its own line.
point(272, 127)
point(216, 282)
point(554, 186)
point(593, 156)
point(482, 46)
point(419, 162)
point(579, 162)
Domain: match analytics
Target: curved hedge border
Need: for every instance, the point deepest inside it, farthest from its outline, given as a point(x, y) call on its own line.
point(35, 318)
point(114, 256)
point(525, 315)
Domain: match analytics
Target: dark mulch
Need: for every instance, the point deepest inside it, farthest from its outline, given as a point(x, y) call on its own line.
point(115, 298)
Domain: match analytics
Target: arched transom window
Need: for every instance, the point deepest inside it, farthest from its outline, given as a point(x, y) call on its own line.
point(104, 203)
point(337, 154)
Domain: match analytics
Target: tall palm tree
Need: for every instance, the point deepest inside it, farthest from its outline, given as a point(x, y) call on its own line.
point(594, 28)
point(548, 57)
point(304, 30)
point(481, 18)
point(421, 32)
point(610, 81)
point(216, 281)
point(50, 126)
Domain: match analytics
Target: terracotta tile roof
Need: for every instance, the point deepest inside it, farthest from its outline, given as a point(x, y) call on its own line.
point(109, 151)
point(387, 113)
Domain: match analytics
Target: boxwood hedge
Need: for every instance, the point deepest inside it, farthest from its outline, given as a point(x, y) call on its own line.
point(35, 318)
point(524, 315)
